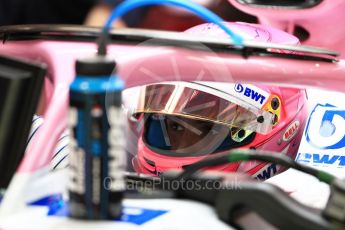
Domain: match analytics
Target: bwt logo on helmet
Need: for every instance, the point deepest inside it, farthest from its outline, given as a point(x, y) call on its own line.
point(250, 93)
point(267, 173)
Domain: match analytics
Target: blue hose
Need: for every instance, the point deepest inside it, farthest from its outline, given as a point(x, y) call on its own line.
point(201, 11)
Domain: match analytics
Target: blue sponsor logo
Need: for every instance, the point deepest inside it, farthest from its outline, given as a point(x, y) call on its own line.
point(250, 93)
point(324, 159)
point(325, 127)
point(58, 207)
point(267, 173)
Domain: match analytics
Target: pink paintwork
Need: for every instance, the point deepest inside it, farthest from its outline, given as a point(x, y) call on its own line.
point(324, 22)
point(293, 111)
point(248, 31)
point(133, 60)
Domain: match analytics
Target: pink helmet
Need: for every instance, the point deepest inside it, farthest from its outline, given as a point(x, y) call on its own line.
point(188, 121)
point(314, 22)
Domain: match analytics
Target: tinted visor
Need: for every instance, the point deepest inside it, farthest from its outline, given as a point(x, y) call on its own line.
point(182, 137)
point(193, 101)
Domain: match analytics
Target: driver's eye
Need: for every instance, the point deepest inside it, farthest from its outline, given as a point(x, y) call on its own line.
point(176, 127)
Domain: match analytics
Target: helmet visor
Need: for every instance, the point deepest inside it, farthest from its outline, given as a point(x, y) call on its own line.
point(184, 137)
point(202, 103)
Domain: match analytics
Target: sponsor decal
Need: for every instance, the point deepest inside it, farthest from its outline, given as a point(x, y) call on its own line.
point(291, 131)
point(59, 208)
point(323, 143)
point(253, 93)
point(267, 173)
point(325, 127)
point(321, 159)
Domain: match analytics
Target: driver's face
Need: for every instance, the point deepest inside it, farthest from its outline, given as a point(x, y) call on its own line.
point(196, 135)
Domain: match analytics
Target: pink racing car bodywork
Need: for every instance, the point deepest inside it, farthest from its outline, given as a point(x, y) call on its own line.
point(322, 22)
point(60, 57)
